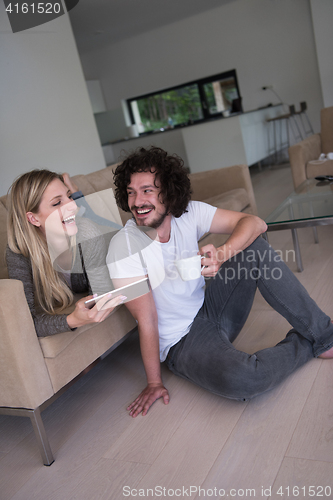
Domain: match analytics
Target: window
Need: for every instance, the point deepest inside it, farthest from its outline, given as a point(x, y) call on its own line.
point(186, 104)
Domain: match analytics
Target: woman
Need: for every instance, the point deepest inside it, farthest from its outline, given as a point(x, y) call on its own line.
point(54, 253)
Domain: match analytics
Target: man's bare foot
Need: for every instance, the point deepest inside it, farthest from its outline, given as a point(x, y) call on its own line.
point(327, 354)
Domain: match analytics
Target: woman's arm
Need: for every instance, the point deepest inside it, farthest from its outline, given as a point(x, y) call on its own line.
point(19, 268)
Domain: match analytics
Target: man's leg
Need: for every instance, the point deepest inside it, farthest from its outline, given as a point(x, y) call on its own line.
point(230, 295)
point(207, 357)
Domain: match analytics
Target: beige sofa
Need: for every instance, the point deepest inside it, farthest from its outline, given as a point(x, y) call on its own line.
point(34, 371)
point(303, 156)
point(229, 188)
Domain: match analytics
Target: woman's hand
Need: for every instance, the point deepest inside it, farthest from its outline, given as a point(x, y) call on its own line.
point(83, 316)
point(147, 397)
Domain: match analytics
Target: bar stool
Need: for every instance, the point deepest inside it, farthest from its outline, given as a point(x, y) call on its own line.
point(302, 113)
point(298, 136)
point(278, 122)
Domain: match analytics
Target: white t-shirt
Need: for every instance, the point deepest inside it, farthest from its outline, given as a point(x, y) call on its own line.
point(132, 253)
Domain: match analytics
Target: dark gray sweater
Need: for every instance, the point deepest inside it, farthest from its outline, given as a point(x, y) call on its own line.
point(89, 274)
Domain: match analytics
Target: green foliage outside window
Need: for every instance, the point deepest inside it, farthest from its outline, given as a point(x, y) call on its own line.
point(176, 107)
point(185, 104)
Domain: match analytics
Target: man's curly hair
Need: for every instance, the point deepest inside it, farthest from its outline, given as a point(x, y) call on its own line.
point(174, 183)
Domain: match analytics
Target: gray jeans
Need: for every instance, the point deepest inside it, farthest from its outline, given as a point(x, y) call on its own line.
point(206, 355)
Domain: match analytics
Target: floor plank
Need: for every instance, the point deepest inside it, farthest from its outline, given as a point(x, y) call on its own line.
point(111, 479)
point(192, 450)
point(265, 183)
point(106, 480)
point(13, 431)
point(313, 436)
point(303, 479)
point(143, 443)
point(258, 443)
point(267, 331)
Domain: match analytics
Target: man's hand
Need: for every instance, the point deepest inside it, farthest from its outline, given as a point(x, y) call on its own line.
point(147, 397)
point(213, 258)
point(143, 309)
point(242, 229)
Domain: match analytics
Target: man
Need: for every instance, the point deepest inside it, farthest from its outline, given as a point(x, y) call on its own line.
point(181, 322)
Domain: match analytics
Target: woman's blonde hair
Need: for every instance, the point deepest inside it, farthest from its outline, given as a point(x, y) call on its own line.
point(25, 195)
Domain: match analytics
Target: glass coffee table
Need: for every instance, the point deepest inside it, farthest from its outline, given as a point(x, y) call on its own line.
point(311, 204)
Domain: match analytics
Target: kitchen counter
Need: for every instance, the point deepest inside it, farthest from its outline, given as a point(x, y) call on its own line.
point(205, 145)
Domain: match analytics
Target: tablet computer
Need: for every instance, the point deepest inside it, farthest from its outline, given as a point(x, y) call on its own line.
point(131, 291)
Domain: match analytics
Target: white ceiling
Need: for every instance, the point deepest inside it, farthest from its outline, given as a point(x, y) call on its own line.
point(100, 22)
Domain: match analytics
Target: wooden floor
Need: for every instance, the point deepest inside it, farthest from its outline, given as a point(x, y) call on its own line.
point(279, 445)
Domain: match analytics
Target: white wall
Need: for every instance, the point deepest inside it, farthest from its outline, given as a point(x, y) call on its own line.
point(269, 42)
point(46, 119)
point(322, 15)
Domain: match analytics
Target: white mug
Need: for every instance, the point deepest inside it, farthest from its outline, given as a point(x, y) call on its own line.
point(190, 268)
point(329, 156)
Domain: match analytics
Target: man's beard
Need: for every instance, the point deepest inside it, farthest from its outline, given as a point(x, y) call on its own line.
point(155, 224)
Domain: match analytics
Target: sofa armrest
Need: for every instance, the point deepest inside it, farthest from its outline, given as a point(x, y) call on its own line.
point(24, 379)
point(300, 154)
point(214, 182)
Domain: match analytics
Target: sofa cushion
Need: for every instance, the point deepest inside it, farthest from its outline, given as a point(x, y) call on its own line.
point(53, 345)
point(319, 167)
point(95, 181)
point(83, 184)
point(236, 199)
point(67, 354)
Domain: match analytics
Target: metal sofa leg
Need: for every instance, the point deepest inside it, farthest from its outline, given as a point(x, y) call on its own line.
point(38, 426)
point(42, 440)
